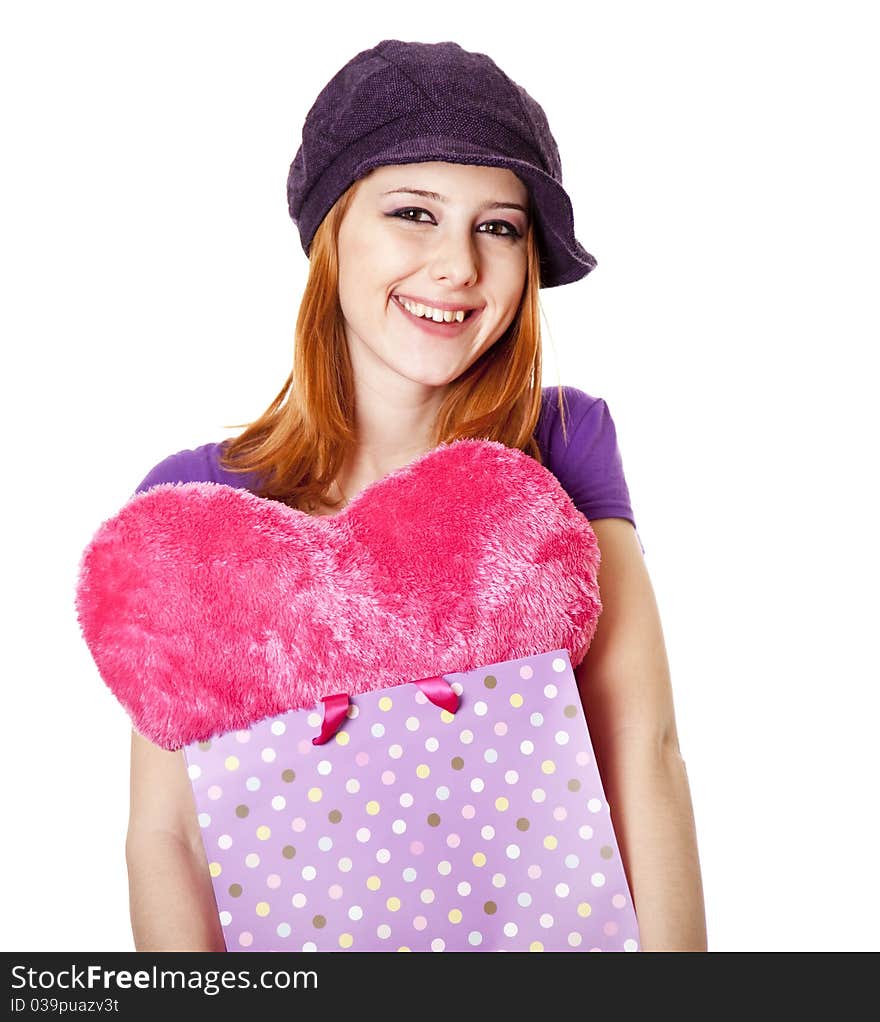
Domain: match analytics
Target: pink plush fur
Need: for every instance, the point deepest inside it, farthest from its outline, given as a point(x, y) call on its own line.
point(207, 608)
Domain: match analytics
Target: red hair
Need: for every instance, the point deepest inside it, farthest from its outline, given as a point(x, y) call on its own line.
point(300, 444)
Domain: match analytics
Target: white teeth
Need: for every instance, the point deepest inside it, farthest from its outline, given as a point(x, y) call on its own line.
point(437, 315)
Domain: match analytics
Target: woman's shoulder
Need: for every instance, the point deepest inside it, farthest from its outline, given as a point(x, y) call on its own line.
point(585, 457)
point(193, 465)
point(576, 404)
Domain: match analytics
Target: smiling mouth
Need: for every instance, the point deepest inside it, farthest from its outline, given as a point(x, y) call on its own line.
point(433, 325)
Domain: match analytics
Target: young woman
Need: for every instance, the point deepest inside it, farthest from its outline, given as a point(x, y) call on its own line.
point(428, 195)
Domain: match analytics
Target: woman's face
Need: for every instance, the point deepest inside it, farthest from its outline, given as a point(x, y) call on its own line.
point(464, 245)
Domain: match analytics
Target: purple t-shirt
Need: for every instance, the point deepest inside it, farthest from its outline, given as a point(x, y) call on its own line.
point(588, 466)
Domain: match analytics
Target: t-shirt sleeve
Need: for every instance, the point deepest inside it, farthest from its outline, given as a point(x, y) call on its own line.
point(589, 466)
point(188, 466)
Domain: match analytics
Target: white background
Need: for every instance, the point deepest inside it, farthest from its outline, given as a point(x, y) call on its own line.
point(722, 162)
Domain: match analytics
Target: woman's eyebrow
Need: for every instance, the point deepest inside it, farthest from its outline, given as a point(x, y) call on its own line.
point(442, 198)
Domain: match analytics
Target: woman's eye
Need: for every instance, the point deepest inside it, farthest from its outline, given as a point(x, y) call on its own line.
point(402, 214)
point(509, 231)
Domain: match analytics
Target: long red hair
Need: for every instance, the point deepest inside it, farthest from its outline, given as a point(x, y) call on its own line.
point(300, 444)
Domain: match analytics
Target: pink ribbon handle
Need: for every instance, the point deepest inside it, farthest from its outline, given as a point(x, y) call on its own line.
point(438, 690)
point(335, 712)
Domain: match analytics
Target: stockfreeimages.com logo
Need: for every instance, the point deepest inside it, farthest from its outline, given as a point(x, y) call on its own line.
point(210, 982)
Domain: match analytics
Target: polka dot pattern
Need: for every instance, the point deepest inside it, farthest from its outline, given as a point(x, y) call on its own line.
point(419, 830)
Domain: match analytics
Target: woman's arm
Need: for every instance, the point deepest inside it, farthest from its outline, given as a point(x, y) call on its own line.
point(626, 693)
point(171, 896)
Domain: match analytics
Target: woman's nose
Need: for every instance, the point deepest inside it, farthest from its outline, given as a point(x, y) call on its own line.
point(455, 258)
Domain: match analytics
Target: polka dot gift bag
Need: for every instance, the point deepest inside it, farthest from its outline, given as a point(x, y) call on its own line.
point(377, 709)
point(416, 828)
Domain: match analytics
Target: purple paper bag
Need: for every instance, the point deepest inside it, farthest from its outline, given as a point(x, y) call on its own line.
point(416, 829)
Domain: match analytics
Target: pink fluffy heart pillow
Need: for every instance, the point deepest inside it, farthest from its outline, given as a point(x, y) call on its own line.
point(207, 608)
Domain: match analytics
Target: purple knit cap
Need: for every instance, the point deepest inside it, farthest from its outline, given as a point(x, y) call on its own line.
point(402, 102)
